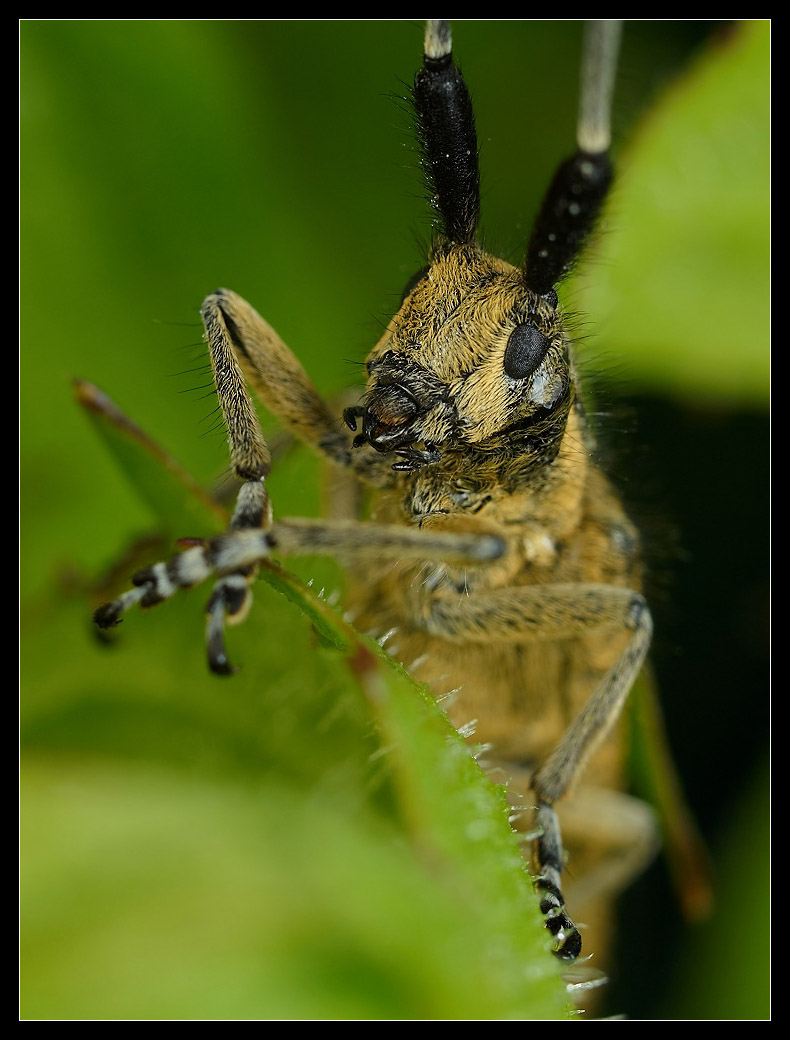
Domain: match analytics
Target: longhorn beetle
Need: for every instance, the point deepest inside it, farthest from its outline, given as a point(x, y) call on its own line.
point(495, 545)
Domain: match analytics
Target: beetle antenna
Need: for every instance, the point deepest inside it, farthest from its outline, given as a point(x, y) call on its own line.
point(598, 71)
point(447, 131)
point(573, 202)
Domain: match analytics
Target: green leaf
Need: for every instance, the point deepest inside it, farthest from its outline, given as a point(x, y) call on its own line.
point(174, 497)
point(682, 287)
point(150, 894)
point(311, 840)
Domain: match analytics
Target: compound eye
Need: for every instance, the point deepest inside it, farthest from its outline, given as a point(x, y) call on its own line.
point(525, 350)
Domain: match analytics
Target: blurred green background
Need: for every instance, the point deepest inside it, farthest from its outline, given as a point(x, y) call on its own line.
point(161, 159)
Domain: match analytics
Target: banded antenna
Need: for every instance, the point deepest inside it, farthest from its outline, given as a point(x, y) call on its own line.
point(446, 125)
point(576, 195)
point(573, 202)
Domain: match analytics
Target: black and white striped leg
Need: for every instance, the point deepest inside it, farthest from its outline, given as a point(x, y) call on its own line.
point(231, 599)
point(549, 854)
point(232, 556)
point(230, 603)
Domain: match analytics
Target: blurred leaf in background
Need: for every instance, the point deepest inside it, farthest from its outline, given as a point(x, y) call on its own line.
point(195, 849)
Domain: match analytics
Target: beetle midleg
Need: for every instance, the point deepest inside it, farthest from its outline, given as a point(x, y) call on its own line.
point(529, 613)
point(613, 836)
point(617, 832)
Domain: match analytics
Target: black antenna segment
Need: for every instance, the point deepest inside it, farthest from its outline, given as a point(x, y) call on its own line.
point(449, 141)
point(573, 202)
